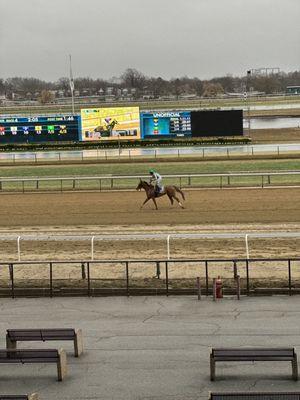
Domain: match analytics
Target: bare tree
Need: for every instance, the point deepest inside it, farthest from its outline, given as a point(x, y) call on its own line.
point(212, 89)
point(45, 97)
point(132, 78)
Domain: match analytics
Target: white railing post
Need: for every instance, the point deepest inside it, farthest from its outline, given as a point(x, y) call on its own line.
point(19, 248)
point(168, 247)
point(92, 248)
point(247, 247)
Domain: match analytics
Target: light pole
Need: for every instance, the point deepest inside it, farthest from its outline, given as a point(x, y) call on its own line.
point(72, 85)
point(248, 100)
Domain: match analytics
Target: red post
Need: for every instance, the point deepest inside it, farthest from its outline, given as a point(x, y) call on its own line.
point(219, 288)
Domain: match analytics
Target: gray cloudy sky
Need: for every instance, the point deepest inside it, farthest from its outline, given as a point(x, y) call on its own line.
point(168, 38)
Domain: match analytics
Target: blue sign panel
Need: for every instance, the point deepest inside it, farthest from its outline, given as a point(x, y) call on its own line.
point(166, 124)
point(39, 129)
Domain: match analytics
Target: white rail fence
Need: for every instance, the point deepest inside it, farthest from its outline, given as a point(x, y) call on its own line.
point(101, 182)
point(166, 237)
point(148, 153)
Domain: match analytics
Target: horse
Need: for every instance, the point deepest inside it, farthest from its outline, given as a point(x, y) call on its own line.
point(169, 190)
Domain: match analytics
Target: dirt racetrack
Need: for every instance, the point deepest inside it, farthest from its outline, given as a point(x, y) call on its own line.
point(226, 206)
point(247, 210)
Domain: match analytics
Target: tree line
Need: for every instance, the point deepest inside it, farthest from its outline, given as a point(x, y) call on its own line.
point(135, 84)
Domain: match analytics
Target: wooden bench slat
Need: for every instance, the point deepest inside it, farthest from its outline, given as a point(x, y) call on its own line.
point(23, 356)
point(33, 396)
point(255, 396)
point(16, 335)
point(48, 334)
point(253, 354)
point(14, 397)
point(246, 354)
point(30, 356)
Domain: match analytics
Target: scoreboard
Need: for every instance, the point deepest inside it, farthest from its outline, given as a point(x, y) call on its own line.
point(166, 124)
point(119, 123)
point(39, 129)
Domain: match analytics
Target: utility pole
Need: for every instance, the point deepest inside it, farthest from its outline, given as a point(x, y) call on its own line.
point(248, 100)
point(72, 85)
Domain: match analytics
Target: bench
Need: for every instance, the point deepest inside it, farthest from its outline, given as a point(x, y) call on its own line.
point(32, 396)
point(15, 335)
point(253, 354)
point(255, 396)
point(25, 356)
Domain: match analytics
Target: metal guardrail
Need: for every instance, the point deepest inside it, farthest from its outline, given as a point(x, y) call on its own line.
point(108, 182)
point(121, 153)
point(87, 266)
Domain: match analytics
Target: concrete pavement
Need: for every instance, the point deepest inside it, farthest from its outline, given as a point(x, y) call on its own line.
point(152, 348)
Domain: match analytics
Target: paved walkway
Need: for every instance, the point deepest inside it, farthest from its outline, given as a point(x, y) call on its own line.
point(152, 348)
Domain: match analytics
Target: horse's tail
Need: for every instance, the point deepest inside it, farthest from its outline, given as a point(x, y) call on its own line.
point(179, 191)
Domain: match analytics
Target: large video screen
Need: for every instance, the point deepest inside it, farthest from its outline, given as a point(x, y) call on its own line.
point(217, 123)
point(39, 129)
point(166, 124)
point(110, 123)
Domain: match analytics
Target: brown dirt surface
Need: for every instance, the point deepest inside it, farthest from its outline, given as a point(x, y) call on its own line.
point(226, 206)
point(214, 210)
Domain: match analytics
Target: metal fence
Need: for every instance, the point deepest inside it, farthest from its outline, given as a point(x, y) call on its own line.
point(115, 182)
point(203, 152)
point(242, 268)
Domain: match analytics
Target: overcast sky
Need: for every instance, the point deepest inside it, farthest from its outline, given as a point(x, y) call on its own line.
point(167, 38)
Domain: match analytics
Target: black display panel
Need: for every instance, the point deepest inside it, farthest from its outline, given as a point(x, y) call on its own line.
point(217, 123)
point(39, 129)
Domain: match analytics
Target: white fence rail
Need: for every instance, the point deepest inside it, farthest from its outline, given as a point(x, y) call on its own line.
point(106, 182)
point(120, 153)
point(167, 237)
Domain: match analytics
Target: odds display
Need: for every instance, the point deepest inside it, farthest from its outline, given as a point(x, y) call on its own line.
point(121, 124)
point(166, 124)
point(39, 129)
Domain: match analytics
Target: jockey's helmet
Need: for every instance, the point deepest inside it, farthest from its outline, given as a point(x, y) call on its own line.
point(151, 171)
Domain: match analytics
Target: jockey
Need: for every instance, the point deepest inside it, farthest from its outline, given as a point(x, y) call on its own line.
point(156, 179)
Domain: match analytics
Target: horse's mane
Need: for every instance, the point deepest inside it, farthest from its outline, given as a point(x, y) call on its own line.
point(146, 183)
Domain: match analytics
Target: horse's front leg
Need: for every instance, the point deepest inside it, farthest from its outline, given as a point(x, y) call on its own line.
point(154, 201)
point(148, 198)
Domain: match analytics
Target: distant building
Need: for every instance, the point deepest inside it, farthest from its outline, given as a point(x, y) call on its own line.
point(292, 90)
point(189, 96)
point(253, 93)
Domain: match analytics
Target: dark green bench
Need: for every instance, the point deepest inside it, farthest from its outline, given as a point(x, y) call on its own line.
point(255, 396)
point(253, 354)
point(17, 335)
point(32, 396)
point(27, 356)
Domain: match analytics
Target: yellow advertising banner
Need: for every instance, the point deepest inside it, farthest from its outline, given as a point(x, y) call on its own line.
point(110, 123)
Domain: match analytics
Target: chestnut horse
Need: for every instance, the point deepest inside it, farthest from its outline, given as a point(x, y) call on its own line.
point(169, 190)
